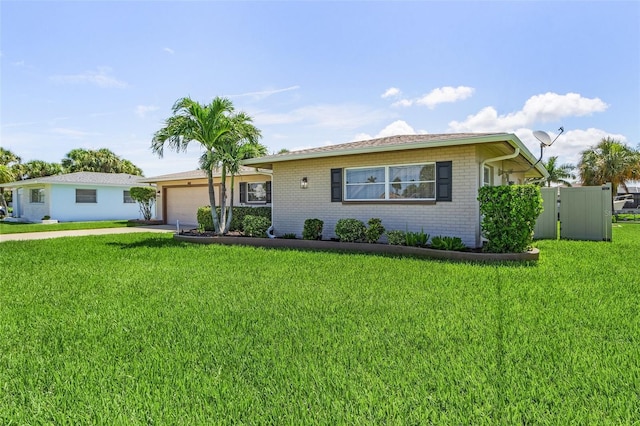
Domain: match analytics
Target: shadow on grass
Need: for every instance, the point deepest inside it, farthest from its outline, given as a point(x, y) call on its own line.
point(149, 243)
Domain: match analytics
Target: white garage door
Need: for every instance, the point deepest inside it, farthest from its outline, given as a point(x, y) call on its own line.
point(183, 204)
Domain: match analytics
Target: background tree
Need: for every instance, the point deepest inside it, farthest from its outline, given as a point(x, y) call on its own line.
point(101, 160)
point(8, 160)
point(225, 136)
point(37, 169)
point(558, 173)
point(609, 161)
point(145, 196)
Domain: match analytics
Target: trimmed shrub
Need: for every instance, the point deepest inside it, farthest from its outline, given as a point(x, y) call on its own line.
point(256, 226)
point(239, 213)
point(374, 230)
point(289, 236)
point(350, 230)
point(396, 238)
point(447, 243)
point(509, 216)
point(312, 229)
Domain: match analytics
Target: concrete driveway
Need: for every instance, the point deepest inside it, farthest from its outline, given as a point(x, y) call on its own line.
point(84, 232)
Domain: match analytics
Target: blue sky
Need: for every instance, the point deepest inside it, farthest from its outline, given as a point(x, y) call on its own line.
point(106, 74)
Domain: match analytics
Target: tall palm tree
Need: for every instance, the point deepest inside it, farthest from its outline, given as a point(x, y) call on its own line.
point(226, 138)
point(102, 160)
point(558, 173)
point(609, 161)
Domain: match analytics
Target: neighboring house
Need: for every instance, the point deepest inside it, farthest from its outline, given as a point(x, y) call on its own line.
point(82, 196)
point(413, 182)
point(179, 195)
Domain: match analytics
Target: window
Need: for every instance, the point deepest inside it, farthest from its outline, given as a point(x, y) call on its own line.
point(126, 197)
point(255, 192)
point(37, 195)
point(402, 182)
point(86, 196)
point(486, 176)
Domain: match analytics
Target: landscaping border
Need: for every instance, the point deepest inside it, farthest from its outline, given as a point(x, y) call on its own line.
point(324, 245)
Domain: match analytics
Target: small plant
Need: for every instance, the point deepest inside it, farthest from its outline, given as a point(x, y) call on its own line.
point(447, 243)
point(396, 238)
point(312, 229)
point(289, 236)
point(145, 196)
point(350, 230)
point(416, 239)
point(374, 231)
point(256, 226)
point(46, 217)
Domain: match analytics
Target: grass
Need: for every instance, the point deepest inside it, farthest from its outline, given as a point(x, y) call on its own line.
point(140, 329)
point(20, 228)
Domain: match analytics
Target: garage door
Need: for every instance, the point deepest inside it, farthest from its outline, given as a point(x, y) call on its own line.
point(183, 204)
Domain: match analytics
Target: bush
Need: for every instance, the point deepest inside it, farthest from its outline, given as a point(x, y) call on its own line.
point(374, 230)
point(350, 230)
point(447, 243)
point(145, 196)
point(289, 236)
point(256, 226)
point(312, 229)
point(509, 216)
point(239, 213)
point(396, 238)
point(416, 239)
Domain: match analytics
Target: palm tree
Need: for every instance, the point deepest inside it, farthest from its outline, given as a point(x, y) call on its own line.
point(558, 173)
point(102, 160)
point(609, 161)
point(226, 138)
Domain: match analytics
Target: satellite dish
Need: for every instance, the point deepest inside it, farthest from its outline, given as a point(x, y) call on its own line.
point(543, 137)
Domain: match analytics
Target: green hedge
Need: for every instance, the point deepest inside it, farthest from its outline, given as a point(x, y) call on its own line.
point(239, 213)
point(509, 216)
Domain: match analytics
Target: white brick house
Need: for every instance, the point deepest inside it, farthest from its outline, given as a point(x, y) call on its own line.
point(413, 182)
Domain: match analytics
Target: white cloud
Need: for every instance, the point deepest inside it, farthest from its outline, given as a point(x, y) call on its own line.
point(169, 50)
point(402, 103)
point(142, 110)
point(540, 108)
point(445, 94)
point(398, 127)
point(100, 78)
point(265, 93)
point(343, 117)
point(70, 133)
point(391, 92)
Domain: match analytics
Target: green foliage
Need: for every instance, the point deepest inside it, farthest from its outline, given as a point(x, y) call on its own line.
point(396, 238)
point(239, 213)
point(416, 239)
point(350, 230)
point(289, 236)
point(374, 230)
point(312, 229)
point(145, 196)
point(256, 226)
point(509, 215)
point(447, 243)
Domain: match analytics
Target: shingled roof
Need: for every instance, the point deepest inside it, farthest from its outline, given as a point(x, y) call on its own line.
point(400, 142)
point(200, 174)
point(82, 178)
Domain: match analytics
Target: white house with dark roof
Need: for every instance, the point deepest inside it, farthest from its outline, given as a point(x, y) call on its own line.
point(413, 182)
point(73, 197)
point(179, 195)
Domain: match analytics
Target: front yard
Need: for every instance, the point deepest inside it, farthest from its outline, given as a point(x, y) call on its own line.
point(142, 329)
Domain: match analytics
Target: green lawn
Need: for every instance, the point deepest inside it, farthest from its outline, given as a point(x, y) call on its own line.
point(20, 228)
point(140, 329)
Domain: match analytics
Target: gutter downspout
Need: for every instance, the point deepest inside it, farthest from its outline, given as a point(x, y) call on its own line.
point(481, 183)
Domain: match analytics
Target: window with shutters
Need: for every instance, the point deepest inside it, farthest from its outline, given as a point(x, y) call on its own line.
point(399, 182)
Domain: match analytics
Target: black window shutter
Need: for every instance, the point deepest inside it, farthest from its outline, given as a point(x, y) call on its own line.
point(243, 192)
point(268, 192)
point(443, 181)
point(336, 185)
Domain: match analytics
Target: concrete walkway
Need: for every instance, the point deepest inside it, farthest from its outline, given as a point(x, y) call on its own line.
point(84, 232)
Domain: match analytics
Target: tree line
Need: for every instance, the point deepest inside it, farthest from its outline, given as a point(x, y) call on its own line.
point(77, 160)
